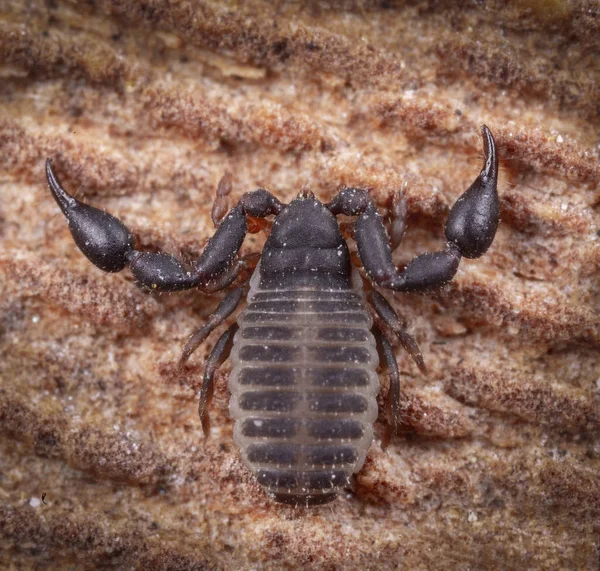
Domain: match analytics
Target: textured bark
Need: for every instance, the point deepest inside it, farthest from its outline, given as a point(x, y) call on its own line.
point(143, 106)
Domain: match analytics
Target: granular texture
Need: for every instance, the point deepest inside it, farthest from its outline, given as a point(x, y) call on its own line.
point(143, 106)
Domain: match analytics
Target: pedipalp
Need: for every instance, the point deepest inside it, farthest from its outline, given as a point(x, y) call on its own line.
point(109, 244)
point(470, 230)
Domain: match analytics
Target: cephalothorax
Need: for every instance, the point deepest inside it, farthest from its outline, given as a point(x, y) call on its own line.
point(304, 351)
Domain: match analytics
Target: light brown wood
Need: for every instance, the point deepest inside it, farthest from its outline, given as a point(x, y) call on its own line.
point(143, 107)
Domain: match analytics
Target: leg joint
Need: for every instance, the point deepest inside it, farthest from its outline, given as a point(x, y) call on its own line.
point(350, 202)
point(260, 203)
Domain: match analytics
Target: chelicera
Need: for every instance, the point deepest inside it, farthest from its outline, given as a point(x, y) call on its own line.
point(305, 349)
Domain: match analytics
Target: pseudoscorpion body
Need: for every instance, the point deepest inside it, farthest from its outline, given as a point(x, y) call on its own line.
point(304, 350)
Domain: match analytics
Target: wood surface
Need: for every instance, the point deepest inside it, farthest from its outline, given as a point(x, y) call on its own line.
point(143, 106)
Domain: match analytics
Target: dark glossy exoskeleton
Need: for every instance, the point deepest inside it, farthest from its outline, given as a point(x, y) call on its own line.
point(304, 351)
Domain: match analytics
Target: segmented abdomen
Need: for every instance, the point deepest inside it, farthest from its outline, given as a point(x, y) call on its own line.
point(303, 390)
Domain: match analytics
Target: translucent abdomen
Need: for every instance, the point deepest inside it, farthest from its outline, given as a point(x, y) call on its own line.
point(303, 390)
